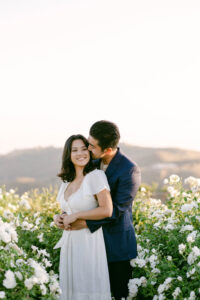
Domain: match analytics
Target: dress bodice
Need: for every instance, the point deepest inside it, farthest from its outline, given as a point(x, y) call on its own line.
point(83, 199)
point(78, 201)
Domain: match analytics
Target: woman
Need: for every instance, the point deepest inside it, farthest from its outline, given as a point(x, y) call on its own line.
point(84, 194)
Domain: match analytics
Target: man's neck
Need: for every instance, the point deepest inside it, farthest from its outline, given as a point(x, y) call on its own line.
point(107, 158)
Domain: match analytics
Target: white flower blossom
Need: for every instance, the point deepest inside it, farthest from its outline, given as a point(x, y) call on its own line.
point(20, 262)
point(46, 262)
point(179, 278)
point(192, 296)
point(2, 294)
point(37, 221)
point(140, 262)
point(192, 181)
point(133, 288)
point(26, 226)
point(165, 181)
point(24, 203)
point(186, 228)
point(134, 284)
point(40, 237)
point(190, 273)
point(28, 283)
point(12, 191)
point(43, 289)
point(19, 275)
point(165, 286)
point(188, 206)
point(40, 273)
point(176, 292)
point(198, 218)
point(173, 192)
point(8, 214)
point(169, 227)
point(173, 179)
point(153, 259)
point(191, 237)
point(155, 271)
point(181, 248)
point(9, 281)
point(194, 254)
point(7, 232)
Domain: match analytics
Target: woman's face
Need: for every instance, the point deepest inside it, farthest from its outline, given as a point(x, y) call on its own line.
point(80, 154)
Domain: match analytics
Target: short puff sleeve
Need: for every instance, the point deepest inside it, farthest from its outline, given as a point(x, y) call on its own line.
point(97, 182)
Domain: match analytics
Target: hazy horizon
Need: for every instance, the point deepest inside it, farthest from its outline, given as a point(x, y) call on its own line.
point(126, 143)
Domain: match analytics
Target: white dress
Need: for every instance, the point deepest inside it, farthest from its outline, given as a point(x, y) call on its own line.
point(83, 268)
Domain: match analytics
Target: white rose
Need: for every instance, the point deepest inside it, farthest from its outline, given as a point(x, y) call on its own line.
point(174, 179)
point(2, 295)
point(9, 281)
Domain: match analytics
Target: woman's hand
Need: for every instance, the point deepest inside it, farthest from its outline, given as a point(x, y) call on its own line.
point(67, 220)
point(58, 220)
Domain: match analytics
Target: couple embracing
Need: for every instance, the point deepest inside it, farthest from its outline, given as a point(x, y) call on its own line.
point(98, 186)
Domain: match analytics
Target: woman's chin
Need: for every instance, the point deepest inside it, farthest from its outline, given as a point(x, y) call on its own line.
point(83, 164)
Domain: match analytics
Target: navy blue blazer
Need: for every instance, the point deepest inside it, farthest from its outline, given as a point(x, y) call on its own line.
point(124, 178)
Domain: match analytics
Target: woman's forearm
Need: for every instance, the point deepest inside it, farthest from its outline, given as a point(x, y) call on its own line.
point(95, 214)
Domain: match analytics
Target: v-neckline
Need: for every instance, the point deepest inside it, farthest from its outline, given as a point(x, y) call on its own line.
point(73, 192)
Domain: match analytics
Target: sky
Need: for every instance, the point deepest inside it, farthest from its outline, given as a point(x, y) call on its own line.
point(67, 64)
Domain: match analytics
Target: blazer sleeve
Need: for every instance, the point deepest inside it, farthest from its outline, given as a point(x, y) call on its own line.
point(127, 188)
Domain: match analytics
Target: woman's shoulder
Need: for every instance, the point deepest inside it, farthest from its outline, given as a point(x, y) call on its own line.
point(96, 172)
point(95, 176)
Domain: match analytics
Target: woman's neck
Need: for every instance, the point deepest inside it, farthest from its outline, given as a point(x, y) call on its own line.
point(79, 172)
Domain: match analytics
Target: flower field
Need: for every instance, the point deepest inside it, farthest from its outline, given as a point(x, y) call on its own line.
point(168, 236)
point(28, 263)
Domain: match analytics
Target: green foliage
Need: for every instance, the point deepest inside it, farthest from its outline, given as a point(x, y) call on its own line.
point(167, 234)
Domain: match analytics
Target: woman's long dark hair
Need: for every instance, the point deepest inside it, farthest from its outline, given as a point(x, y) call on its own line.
point(68, 172)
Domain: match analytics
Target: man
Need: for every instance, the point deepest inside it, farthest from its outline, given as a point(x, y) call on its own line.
point(124, 178)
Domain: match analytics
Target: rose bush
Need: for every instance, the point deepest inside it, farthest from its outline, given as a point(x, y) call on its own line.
point(168, 237)
point(28, 263)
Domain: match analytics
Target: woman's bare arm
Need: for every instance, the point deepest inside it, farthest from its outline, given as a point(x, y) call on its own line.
point(104, 210)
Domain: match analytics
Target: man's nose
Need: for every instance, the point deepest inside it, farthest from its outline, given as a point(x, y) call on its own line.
point(89, 148)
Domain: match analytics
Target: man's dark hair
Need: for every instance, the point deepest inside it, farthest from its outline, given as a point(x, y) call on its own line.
point(68, 172)
point(107, 134)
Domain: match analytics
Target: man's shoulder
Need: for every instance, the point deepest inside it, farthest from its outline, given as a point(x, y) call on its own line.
point(127, 162)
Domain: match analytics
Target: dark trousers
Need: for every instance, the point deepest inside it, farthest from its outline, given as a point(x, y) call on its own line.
point(120, 272)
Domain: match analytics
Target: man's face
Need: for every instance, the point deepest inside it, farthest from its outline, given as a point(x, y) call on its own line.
point(95, 148)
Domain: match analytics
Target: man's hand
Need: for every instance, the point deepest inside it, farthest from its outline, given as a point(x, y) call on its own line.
point(78, 224)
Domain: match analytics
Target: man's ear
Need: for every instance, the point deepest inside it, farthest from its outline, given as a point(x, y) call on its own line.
point(107, 151)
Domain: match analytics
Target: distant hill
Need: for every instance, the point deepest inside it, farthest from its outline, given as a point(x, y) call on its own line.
point(37, 167)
